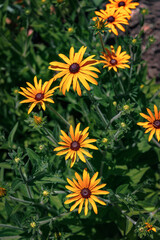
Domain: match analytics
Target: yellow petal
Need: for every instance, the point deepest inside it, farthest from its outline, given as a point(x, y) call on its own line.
point(93, 205)
point(156, 112)
point(86, 207)
point(151, 134)
point(76, 204)
point(80, 206)
point(31, 107)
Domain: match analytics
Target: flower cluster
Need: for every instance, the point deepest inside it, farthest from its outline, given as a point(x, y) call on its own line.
point(116, 13)
point(76, 71)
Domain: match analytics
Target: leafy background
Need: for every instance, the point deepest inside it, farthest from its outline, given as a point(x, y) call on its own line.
point(33, 33)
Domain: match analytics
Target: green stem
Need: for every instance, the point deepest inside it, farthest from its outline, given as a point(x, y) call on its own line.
point(115, 117)
point(55, 218)
point(89, 165)
point(154, 140)
point(102, 43)
point(155, 95)
point(2, 174)
point(59, 115)
point(34, 204)
point(10, 226)
point(114, 89)
point(20, 200)
point(24, 180)
point(120, 83)
point(101, 116)
point(98, 110)
point(50, 137)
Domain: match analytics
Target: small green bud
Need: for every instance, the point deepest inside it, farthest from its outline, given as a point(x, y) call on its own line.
point(45, 193)
point(126, 107)
point(123, 125)
point(134, 41)
point(104, 140)
point(41, 147)
point(33, 224)
point(115, 103)
point(17, 160)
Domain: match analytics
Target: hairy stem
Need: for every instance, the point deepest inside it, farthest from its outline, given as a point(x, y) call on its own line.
point(59, 116)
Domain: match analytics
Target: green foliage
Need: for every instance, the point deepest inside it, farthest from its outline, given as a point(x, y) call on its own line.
point(32, 34)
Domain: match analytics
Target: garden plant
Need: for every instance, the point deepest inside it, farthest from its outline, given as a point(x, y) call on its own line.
point(80, 122)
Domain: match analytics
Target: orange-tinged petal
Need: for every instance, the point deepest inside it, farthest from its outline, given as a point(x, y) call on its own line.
point(142, 123)
point(71, 54)
point(98, 200)
point(66, 136)
point(93, 205)
point(86, 207)
point(146, 117)
point(80, 155)
point(156, 112)
point(79, 180)
point(151, 134)
point(154, 229)
point(148, 130)
point(99, 192)
point(31, 107)
point(80, 206)
point(66, 59)
point(99, 186)
point(71, 132)
point(151, 114)
point(89, 146)
point(72, 200)
point(76, 204)
point(93, 179)
point(86, 153)
point(73, 160)
point(62, 152)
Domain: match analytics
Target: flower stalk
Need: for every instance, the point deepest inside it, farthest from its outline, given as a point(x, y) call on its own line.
point(59, 116)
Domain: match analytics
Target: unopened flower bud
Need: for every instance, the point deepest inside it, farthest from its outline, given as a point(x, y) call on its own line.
point(37, 120)
point(33, 224)
point(17, 160)
point(123, 125)
point(104, 140)
point(126, 107)
point(45, 193)
point(115, 103)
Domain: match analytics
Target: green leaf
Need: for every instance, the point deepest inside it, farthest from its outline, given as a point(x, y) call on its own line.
point(137, 174)
point(32, 155)
point(12, 133)
point(5, 165)
point(8, 208)
point(129, 226)
point(97, 2)
point(122, 189)
point(51, 179)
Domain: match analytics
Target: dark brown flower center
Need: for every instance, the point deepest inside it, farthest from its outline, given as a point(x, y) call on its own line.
point(121, 4)
point(113, 62)
point(74, 68)
point(86, 193)
point(39, 96)
point(156, 123)
point(75, 145)
point(111, 19)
